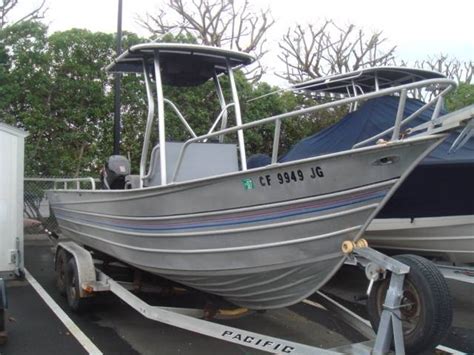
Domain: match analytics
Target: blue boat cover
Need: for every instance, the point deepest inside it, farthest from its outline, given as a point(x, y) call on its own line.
point(373, 117)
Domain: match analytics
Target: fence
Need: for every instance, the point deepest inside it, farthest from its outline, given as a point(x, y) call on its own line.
point(36, 204)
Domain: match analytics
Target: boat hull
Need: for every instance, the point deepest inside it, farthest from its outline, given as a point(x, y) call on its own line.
point(431, 214)
point(446, 238)
point(264, 238)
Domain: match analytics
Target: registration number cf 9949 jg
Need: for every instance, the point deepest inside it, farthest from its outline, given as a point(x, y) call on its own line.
point(291, 176)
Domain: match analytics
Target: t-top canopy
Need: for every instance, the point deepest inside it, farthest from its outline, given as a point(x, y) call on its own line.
point(181, 64)
point(367, 80)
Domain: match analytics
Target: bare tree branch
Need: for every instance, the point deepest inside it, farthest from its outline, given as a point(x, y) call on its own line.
point(226, 23)
point(6, 6)
point(461, 71)
point(313, 51)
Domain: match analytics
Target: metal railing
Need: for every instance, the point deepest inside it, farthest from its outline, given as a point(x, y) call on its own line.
point(36, 204)
point(66, 182)
point(447, 84)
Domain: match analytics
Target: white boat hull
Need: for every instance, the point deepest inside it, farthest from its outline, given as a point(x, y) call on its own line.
point(450, 238)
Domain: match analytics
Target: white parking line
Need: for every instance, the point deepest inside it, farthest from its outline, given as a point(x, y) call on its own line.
point(86, 343)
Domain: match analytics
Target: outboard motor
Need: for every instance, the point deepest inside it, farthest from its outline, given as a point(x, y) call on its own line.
point(114, 172)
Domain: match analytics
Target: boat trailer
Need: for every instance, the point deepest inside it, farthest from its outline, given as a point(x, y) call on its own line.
point(464, 273)
point(87, 280)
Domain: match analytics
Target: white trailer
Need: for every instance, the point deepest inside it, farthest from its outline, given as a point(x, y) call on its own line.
point(11, 200)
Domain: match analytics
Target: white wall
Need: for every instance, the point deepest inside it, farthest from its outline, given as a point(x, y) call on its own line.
point(11, 198)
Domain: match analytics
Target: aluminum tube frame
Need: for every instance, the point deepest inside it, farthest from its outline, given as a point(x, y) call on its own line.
point(181, 117)
point(220, 95)
point(400, 112)
point(238, 117)
point(66, 180)
point(437, 110)
point(161, 117)
point(448, 82)
point(354, 89)
point(276, 141)
point(149, 122)
point(221, 114)
point(320, 108)
point(406, 120)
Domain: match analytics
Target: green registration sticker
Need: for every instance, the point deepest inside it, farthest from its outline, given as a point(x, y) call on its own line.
point(248, 184)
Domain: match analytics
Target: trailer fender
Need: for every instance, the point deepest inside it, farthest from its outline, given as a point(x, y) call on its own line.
point(84, 262)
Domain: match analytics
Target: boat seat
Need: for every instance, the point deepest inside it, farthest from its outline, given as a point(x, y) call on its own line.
point(200, 160)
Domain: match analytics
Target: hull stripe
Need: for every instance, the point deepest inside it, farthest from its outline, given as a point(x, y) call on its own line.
point(223, 221)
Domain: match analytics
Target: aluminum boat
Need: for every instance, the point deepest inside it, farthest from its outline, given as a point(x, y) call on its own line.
point(259, 236)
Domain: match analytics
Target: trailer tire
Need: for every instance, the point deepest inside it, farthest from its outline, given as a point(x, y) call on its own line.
point(61, 266)
point(73, 296)
point(428, 317)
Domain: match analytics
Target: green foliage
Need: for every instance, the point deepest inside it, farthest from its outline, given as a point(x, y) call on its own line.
point(25, 85)
point(461, 97)
point(57, 89)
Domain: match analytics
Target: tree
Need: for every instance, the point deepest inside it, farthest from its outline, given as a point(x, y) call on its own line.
point(461, 97)
point(461, 71)
point(55, 92)
point(24, 93)
point(220, 23)
point(35, 12)
point(313, 51)
point(55, 88)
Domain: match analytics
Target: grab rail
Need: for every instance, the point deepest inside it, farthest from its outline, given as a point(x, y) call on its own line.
point(447, 83)
point(223, 111)
point(435, 100)
point(76, 180)
point(65, 181)
point(181, 117)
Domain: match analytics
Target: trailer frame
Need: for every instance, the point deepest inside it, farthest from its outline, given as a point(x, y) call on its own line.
point(92, 281)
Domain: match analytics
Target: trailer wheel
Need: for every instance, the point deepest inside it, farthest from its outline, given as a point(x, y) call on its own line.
point(61, 266)
point(426, 311)
point(73, 296)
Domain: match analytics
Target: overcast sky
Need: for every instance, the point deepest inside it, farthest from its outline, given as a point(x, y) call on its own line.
point(418, 28)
